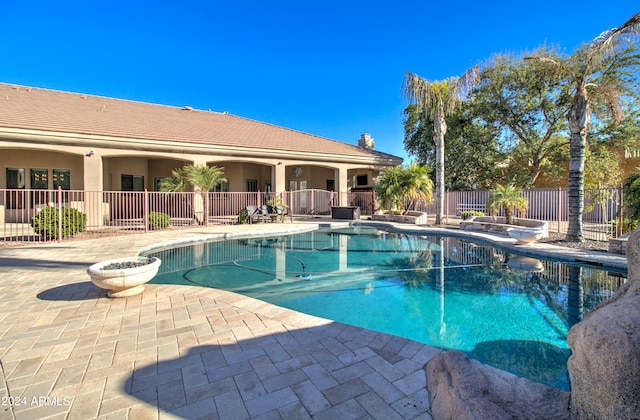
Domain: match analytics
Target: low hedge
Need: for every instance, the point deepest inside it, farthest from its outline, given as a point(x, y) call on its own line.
point(46, 224)
point(465, 214)
point(159, 220)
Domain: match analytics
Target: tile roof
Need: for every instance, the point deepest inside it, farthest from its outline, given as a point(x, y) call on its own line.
point(50, 110)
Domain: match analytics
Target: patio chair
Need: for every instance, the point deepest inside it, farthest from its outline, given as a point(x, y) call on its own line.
point(282, 212)
point(275, 213)
point(254, 212)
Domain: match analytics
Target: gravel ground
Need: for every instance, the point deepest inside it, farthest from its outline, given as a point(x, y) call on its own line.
point(558, 239)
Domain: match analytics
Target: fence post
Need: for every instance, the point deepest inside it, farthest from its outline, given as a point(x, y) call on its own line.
point(145, 211)
point(446, 207)
point(619, 226)
point(559, 216)
point(313, 201)
point(59, 200)
point(206, 209)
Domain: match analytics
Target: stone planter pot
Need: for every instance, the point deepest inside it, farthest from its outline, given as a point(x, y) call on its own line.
point(124, 282)
point(525, 235)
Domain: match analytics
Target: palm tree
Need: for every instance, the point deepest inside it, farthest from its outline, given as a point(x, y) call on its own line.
point(597, 71)
point(507, 197)
point(390, 188)
point(419, 185)
point(400, 187)
point(203, 178)
point(439, 100)
point(177, 182)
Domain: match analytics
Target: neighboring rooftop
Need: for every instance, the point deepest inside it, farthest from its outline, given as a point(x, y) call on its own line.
point(29, 108)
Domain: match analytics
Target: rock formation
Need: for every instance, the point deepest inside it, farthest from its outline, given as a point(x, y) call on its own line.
point(462, 388)
point(604, 367)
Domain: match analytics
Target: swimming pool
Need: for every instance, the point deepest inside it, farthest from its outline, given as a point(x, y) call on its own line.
point(510, 311)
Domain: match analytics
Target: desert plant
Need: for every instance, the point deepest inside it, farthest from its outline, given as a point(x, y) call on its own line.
point(158, 220)
point(509, 198)
point(48, 225)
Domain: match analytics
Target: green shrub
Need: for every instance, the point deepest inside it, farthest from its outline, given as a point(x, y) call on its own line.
point(470, 213)
point(158, 220)
point(45, 222)
point(243, 217)
point(627, 226)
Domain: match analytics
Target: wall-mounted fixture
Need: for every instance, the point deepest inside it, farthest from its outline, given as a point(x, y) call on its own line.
point(89, 154)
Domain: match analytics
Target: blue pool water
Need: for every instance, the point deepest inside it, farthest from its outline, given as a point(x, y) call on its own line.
point(506, 310)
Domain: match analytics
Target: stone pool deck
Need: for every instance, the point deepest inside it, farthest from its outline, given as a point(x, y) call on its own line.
point(69, 352)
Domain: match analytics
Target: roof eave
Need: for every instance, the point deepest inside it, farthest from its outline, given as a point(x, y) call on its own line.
point(145, 145)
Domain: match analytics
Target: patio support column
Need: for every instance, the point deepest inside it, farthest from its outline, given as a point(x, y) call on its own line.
point(93, 172)
point(95, 210)
point(278, 178)
point(198, 200)
point(341, 185)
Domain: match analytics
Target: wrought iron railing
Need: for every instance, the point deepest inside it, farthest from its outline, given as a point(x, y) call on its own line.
point(121, 212)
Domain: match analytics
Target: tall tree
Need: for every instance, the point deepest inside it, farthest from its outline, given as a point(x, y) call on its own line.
point(475, 161)
point(439, 99)
point(599, 72)
point(528, 109)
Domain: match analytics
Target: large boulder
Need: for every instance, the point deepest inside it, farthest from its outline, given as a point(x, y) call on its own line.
point(463, 388)
point(604, 367)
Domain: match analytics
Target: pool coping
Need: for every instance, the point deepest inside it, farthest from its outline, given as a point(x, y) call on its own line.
point(543, 250)
point(598, 259)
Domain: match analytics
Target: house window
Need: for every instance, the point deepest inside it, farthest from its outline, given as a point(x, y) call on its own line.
point(15, 178)
point(15, 181)
point(221, 187)
point(39, 179)
point(362, 180)
point(252, 185)
point(132, 182)
point(157, 181)
point(61, 179)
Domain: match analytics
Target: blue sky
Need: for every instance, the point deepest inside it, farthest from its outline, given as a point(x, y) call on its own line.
point(330, 68)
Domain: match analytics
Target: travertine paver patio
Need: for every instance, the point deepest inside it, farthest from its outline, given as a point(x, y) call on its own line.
point(68, 351)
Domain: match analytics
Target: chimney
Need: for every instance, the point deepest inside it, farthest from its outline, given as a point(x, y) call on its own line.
point(366, 141)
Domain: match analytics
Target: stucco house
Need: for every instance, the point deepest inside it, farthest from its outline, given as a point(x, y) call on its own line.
point(51, 139)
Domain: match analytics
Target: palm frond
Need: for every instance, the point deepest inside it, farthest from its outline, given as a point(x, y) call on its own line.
point(606, 39)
